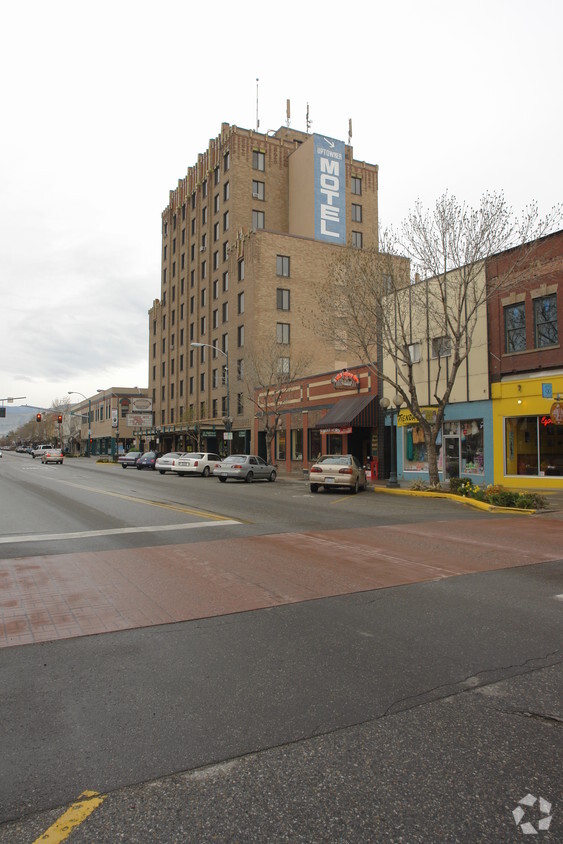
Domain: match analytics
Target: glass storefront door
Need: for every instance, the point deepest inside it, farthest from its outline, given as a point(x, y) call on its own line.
point(451, 449)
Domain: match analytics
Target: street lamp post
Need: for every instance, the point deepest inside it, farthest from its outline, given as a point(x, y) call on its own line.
point(392, 483)
point(76, 393)
point(116, 397)
point(227, 421)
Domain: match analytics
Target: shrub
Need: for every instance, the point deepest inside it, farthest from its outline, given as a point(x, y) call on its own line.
point(504, 498)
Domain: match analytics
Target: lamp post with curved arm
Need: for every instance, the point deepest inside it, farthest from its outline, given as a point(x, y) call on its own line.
point(386, 405)
point(227, 421)
point(76, 393)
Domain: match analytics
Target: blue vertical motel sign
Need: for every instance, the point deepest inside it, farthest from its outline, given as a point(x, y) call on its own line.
point(330, 190)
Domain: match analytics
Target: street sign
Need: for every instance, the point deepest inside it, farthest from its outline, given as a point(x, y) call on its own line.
point(228, 435)
point(547, 391)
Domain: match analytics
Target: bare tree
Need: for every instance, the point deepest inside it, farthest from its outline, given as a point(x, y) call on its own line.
point(376, 305)
point(269, 378)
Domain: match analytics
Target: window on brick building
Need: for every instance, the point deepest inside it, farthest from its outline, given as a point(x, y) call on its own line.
point(258, 160)
point(357, 240)
point(282, 299)
point(258, 189)
point(282, 265)
point(515, 328)
point(258, 219)
point(356, 213)
point(282, 332)
point(545, 321)
point(356, 185)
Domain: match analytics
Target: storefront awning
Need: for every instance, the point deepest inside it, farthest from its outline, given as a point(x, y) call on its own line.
point(355, 411)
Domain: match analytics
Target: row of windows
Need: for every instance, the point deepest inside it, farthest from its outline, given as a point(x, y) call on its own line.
point(544, 324)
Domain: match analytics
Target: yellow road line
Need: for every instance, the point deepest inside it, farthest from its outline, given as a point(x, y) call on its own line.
point(192, 511)
point(73, 817)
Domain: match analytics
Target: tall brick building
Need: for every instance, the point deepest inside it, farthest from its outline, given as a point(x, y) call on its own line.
point(247, 237)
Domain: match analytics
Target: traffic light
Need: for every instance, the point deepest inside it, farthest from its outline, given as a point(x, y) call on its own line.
point(60, 418)
point(38, 417)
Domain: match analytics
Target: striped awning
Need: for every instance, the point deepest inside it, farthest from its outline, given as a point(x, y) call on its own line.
point(354, 411)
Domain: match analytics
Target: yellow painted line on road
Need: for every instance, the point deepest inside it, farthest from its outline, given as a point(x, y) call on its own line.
point(192, 511)
point(73, 817)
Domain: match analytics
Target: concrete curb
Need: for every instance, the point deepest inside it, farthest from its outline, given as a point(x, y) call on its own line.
point(460, 499)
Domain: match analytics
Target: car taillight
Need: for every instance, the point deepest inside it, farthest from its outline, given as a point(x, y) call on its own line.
point(346, 471)
point(237, 465)
point(196, 462)
point(316, 469)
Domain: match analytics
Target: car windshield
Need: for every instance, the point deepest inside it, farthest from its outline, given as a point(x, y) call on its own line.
point(340, 459)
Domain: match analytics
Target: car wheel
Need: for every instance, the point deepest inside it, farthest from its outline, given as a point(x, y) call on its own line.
point(249, 477)
point(33, 455)
point(273, 476)
point(161, 471)
point(354, 490)
point(205, 473)
point(223, 480)
point(139, 468)
point(124, 466)
point(314, 487)
point(181, 474)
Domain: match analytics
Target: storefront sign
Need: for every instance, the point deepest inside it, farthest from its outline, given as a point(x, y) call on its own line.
point(140, 404)
point(337, 430)
point(405, 417)
point(557, 413)
point(344, 380)
point(139, 420)
point(547, 391)
point(330, 193)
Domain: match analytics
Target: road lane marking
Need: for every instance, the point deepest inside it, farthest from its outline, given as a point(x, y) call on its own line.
point(73, 817)
point(86, 534)
point(192, 511)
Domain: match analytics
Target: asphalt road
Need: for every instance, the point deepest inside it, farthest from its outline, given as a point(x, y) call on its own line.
point(422, 712)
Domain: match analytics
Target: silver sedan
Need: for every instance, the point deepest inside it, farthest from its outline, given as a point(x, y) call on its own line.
point(244, 467)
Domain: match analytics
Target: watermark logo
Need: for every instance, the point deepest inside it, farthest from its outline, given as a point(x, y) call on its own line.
point(524, 805)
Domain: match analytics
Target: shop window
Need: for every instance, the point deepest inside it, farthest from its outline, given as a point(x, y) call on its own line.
point(515, 328)
point(472, 454)
point(281, 442)
point(314, 444)
point(545, 321)
point(534, 446)
point(297, 444)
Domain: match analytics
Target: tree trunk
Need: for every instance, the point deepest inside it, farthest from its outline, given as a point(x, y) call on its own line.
point(432, 453)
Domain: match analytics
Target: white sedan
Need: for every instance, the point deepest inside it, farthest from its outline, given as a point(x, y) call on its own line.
point(196, 463)
point(167, 462)
point(244, 467)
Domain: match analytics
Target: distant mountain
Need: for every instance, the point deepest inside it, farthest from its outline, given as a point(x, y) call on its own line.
point(17, 415)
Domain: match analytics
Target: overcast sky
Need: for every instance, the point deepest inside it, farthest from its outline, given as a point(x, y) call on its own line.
point(105, 105)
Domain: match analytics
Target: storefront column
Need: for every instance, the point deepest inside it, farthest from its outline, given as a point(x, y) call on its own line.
point(305, 453)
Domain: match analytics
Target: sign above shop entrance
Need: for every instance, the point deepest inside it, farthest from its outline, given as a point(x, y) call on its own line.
point(344, 380)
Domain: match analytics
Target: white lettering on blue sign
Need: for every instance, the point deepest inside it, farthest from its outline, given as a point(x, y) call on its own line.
point(330, 194)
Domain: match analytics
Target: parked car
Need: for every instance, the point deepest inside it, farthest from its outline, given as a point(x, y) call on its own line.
point(21, 449)
point(148, 460)
point(166, 462)
point(196, 463)
point(129, 459)
point(52, 455)
point(244, 467)
point(337, 470)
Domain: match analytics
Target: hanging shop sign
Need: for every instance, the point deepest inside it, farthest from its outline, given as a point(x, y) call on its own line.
point(556, 413)
point(140, 404)
point(344, 380)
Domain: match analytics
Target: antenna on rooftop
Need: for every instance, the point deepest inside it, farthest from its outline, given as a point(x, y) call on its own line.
point(287, 113)
point(349, 130)
point(307, 121)
point(257, 118)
